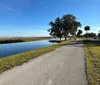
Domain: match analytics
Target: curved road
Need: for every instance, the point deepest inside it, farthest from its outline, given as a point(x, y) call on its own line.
point(64, 66)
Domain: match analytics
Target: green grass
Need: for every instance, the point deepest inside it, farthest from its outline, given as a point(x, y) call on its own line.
point(16, 40)
point(80, 38)
point(15, 60)
point(92, 52)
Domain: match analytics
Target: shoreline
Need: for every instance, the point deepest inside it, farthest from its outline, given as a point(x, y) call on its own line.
point(19, 40)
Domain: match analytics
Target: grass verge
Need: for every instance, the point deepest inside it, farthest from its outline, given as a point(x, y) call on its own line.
point(92, 52)
point(18, 59)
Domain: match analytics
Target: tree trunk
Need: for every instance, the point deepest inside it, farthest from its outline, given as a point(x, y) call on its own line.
point(74, 37)
point(65, 38)
point(86, 34)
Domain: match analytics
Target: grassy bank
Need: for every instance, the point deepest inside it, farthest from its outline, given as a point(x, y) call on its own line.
point(15, 60)
point(92, 52)
point(16, 40)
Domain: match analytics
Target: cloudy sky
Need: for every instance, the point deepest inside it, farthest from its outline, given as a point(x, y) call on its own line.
point(31, 17)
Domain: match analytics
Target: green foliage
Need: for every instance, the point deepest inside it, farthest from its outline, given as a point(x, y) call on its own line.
point(70, 25)
point(79, 33)
point(92, 52)
point(63, 26)
point(90, 35)
point(87, 28)
point(18, 59)
point(56, 28)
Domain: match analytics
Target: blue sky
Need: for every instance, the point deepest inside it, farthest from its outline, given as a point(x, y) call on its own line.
point(31, 17)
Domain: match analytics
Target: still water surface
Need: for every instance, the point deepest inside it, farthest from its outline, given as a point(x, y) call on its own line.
point(15, 48)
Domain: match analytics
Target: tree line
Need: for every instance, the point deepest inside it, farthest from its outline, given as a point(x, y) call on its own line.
point(68, 25)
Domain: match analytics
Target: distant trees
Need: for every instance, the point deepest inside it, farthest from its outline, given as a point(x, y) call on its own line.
point(61, 27)
point(90, 35)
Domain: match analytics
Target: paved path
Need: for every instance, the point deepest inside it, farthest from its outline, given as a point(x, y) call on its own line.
point(64, 66)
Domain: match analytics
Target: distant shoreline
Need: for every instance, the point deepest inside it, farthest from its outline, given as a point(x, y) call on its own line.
point(21, 39)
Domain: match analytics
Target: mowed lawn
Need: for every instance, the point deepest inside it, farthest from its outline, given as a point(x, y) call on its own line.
point(92, 52)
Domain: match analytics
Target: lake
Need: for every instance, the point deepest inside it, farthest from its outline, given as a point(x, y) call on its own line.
point(15, 48)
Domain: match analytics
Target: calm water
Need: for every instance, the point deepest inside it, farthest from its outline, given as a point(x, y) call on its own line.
point(14, 48)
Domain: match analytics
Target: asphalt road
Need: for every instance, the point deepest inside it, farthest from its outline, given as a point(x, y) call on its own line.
point(64, 66)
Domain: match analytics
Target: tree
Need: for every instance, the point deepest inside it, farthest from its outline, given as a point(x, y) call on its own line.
point(76, 24)
point(65, 22)
point(52, 30)
point(79, 33)
point(87, 28)
point(70, 25)
point(56, 30)
point(58, 25)
point(63, 26)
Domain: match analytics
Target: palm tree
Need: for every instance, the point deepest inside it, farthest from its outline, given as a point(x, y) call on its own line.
point(87, 28)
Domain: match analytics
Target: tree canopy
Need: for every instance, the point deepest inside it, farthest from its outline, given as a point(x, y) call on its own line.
point(61, 27)
point(90, 35)
point(87, 28)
